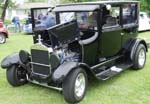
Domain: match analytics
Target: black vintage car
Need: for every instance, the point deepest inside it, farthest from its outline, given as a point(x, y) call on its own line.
point(94, 39)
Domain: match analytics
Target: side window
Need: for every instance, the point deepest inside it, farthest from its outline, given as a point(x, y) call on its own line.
point(111, 16)
point(87, 20)
point(129, 15)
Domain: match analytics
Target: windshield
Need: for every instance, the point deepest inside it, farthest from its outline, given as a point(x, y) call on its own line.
point(85, 20)
point(43, 18)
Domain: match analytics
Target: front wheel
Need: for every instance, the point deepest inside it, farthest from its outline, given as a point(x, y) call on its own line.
point(139, 57)
point(16, 75)
point(75, 85)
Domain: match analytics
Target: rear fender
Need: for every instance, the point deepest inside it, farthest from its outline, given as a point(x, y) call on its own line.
point(4, 31)
point(131, 46)
point(135, 45)
point(10, 60)
point(63, 70)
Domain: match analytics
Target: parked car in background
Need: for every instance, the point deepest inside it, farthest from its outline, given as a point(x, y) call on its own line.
point(144, 21)
point(3, 33)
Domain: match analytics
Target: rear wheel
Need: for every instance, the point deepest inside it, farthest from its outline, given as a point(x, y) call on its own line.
point(2, 38)
point(75, 85)
point(139, 57)
point(16, 75)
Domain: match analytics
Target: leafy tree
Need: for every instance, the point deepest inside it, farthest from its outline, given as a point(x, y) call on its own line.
point(37, 0)
point(145, 5)
point(4, 5)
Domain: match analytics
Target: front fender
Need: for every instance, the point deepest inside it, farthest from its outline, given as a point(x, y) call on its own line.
point(63, 70)
point(10, 60)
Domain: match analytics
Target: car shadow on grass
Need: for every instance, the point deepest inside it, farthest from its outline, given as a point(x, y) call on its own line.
point(95, 83)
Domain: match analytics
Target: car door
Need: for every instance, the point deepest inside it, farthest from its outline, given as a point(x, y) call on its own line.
point(111, 32)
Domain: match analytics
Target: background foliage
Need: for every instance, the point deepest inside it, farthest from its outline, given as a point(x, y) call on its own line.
point(145, 5)
point(4, 4)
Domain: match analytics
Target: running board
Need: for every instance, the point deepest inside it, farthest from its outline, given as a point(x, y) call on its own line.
point(114, 70)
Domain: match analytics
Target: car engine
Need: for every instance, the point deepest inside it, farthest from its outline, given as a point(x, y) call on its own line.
point(65, 54)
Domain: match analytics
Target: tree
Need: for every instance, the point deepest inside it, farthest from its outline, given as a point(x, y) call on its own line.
point(37, 0)
point(145, 5)
point(4, 5)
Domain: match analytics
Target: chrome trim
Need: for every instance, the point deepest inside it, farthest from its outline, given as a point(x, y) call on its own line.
point(40, 74)
point(40, 64)
point(82, 53)
point(39, 39)
point(39, 47)
point(43, 84)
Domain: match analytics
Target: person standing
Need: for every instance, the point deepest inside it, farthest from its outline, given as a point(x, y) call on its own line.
point(16, 22)
point(50, 20)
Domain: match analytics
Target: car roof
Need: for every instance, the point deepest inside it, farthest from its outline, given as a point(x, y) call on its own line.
point(87, 6)
point(99, 2)
point(76, 8)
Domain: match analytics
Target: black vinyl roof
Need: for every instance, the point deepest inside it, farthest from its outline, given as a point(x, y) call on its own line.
point(68, 8)
point(100, 2)
point(87, 6)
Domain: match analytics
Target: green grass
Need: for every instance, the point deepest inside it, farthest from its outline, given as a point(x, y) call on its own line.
point(7, 22)
point(129, 87)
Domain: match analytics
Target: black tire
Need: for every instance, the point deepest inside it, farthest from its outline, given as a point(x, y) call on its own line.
point(69, 86)
point(2, 38)
point(136, 60)
point(16, 76)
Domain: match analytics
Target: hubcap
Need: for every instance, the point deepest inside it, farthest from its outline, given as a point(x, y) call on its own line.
point(142, 57)
point(80, 85)
point(2, 38)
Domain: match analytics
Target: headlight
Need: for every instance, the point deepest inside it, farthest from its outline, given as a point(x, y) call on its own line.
point(24, 56)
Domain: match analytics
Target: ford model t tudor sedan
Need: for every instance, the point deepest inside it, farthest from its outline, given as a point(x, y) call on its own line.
point(94, 39)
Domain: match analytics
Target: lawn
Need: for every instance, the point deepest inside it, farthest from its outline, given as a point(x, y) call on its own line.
point(130, 87)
